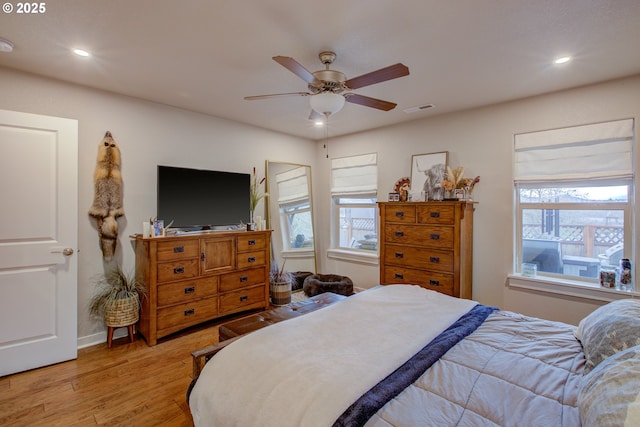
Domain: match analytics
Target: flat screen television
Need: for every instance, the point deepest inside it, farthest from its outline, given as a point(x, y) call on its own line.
point(197, 199)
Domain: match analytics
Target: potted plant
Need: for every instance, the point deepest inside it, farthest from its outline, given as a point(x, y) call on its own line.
point(117, 298)
point(280, 285)
point(256, 195)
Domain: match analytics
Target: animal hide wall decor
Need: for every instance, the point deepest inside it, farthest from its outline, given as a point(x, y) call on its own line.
point(107, 201)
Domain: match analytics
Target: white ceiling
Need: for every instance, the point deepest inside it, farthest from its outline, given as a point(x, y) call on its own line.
point(206, 56)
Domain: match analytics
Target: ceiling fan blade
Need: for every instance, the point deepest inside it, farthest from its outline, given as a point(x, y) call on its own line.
point(275, 95)
point(369, 102)
point(296, 68)
point(388, 73)
point(316, 116)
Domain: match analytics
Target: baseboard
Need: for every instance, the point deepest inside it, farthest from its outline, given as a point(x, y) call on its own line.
point(100, 337)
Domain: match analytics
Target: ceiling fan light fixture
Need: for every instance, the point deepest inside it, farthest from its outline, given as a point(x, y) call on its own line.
point(327, 102)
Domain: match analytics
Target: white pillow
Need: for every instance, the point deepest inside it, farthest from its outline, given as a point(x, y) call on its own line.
point(612, 328)
point(610, 394)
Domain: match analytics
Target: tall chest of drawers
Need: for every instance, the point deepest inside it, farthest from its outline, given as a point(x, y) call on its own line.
point(428, 244)
point(194, 278)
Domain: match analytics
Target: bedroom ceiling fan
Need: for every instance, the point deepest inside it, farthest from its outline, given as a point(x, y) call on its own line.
point(329, 89)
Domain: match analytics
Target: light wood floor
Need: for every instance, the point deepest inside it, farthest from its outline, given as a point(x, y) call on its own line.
point(130, 384)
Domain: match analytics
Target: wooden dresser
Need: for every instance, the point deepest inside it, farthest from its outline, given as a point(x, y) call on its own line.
point(428, 244)
point(194, 278)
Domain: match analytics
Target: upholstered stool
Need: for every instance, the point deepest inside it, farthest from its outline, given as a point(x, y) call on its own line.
point(320, 283)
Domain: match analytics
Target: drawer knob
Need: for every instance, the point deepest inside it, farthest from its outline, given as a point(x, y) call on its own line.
point(434, 282)
point(251, 259)
point(399, 255)
point(399, 234)
point(244, 298)
point(435, 214)
point(178, 270)
point(178, 249)
point(190, 290)
point(244, 279)
point(399, 276)
point(190, 312)
point(434, 259)
point(399, 214)
point(435, 236)
point(252, 242)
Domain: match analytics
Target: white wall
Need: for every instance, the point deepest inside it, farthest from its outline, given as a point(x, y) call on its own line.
point(481, 140)
point(148, 134)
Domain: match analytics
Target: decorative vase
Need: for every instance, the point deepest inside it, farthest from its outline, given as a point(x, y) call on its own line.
point(280, 293)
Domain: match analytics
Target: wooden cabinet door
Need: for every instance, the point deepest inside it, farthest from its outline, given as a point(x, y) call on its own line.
point(217, 254)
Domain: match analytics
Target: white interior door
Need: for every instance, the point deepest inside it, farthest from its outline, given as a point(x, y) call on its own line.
point(38, 240)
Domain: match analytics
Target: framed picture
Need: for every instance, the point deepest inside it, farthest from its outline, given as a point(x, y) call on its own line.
point(427, 172)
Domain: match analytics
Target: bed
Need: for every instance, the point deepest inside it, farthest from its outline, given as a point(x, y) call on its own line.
point(400, 355)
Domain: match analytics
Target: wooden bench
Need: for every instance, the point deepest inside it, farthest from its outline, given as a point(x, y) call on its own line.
point(230, 331)
point(260, 320)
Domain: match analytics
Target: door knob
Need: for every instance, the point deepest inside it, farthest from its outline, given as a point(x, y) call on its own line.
point(65, 252)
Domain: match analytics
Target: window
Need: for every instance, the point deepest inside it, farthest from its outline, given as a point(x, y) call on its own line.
point(297, 227)
point(574, 199)
point(357, 219)
point(354, 183)
point(294, 205)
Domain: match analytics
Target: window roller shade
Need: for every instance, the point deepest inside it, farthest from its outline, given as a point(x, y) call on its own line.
point(595, 151)
point(354, 175)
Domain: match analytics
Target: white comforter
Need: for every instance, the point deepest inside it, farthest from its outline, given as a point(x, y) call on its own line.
point(308, 370)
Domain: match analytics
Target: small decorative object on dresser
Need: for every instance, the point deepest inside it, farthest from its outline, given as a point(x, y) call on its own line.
point(428, 244)
point(402, 187)
point(256, 195)
point(461, 187)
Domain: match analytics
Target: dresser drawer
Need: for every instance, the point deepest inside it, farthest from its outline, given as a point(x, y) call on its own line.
point(177, 249)
point(400, 213)
point(251, 259)
point(427, 258)
point(180, 292)
point(436, 214)
point(251, 242)
point(440, 282)
point(177, 270)
point(242, 279)
point(241, 298)
point(419, 235)
point(187, 313)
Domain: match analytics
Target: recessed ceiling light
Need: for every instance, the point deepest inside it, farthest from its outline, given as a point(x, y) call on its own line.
point(6, 46)
point(562, 60)
point(81, 52)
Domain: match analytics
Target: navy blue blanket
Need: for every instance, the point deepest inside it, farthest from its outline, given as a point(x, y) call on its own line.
point(370, 402)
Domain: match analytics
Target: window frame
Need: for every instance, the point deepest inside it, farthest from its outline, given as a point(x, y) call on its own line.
point(627, 207)
point(335, 216)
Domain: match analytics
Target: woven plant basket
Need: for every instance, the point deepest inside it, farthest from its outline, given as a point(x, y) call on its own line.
point(280, 293)
point(124, 312)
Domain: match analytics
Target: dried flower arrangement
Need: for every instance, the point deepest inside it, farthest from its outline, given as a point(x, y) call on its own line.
point(256, 193)
point(454, 179)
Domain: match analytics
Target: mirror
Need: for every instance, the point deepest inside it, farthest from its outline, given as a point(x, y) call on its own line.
point(290, 215)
